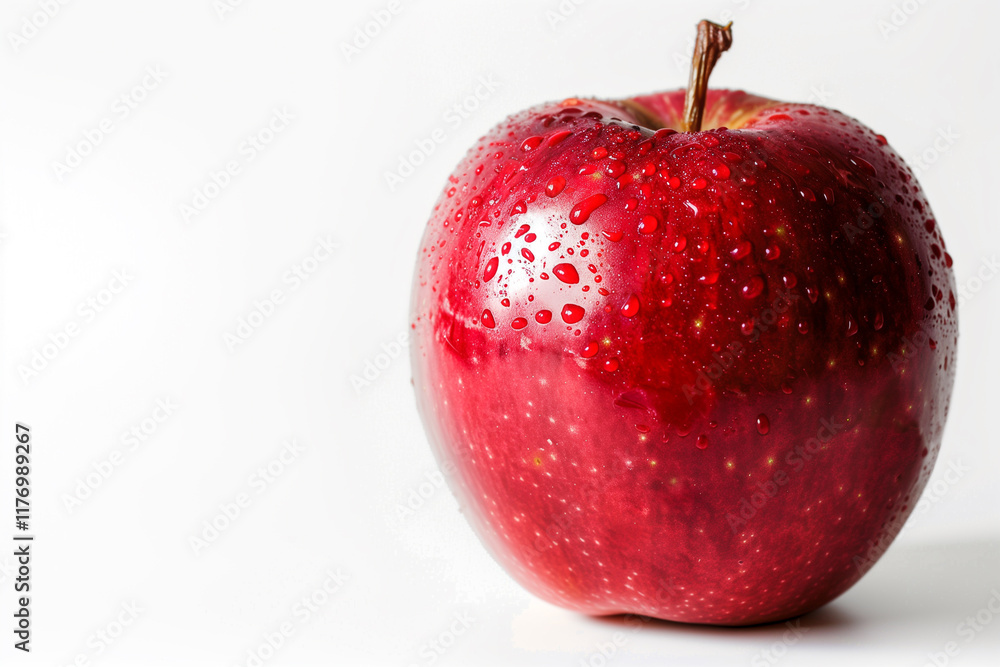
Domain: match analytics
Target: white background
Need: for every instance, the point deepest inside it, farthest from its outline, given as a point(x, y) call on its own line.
point(335, 506)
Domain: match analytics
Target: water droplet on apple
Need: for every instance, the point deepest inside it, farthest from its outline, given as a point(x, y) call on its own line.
point(611, 365)
point(701, 442)
point(648, 224)
point(590, 350)
point(518, 323)
point(581, 212)
point(632, 400)
point(543, 316)
point(572, 313)
point(566, 273)
point(679, 244)
point(559, 137)
point(531, 143)
point(631, 307)
point(555, 186)
point(741, 250)
point(614, 168)
point(709, 278)
point(763, 424)
point(863, 164)
point(488, 320)
point(752, 288)
point(685, 150)
point(491, 269)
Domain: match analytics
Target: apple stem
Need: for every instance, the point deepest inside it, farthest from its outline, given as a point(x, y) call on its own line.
point(713, 39)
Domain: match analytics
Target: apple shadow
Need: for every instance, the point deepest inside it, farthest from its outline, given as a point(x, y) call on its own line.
point(829, 617)
point(914, 588)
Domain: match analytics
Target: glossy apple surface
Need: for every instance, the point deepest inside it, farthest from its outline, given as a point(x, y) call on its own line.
point(700, 376)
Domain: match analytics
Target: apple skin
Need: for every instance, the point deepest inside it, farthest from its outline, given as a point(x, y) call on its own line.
point(740, 388)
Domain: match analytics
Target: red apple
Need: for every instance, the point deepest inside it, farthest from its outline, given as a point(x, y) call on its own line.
point(695, 373)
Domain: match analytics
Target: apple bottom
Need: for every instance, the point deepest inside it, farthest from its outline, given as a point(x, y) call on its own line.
point(597, 504)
